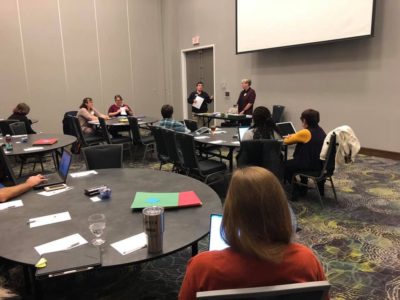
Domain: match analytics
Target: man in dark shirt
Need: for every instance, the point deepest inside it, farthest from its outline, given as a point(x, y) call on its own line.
point(246, 99)
point(199, 95)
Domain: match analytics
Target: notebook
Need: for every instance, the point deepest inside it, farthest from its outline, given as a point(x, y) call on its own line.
point(78, 259)
point(216, 240)
point(45, 141)
point(61, 175)
point(285, 128)
point(166, 200)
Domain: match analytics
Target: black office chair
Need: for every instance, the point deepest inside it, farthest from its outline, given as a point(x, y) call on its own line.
point(319, 177)
point(203, 169)
point(103, 156)
point(191, 125)
point(83, 139)
point(263, 153)
point(5, 126)
point(317, 290)
point(139, 140)
point(277, 113)
point(173, 149)
point(18, 128)
point(161, 147)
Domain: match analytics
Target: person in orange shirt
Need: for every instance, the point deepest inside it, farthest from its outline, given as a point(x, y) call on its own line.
point(257, 226)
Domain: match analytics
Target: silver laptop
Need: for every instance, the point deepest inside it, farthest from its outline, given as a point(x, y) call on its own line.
point(242, 131)
point(216, 240)
point(285, 128)
point(61, 175)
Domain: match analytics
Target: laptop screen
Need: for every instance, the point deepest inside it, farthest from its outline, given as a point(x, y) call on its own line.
point(242, 131)
point(65, 162)
point(216, 240)
point(285, 128)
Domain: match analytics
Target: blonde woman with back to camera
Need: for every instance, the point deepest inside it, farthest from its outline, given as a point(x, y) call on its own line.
point(257, 227)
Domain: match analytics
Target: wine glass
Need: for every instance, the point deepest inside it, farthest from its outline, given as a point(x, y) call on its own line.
point(97, 224)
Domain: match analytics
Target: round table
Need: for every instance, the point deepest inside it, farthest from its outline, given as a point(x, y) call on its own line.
point(63, 140)
point(225, 136)
point(183, 227)
point(123, 121)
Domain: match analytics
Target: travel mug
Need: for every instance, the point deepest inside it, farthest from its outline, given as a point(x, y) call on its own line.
point(153, 224)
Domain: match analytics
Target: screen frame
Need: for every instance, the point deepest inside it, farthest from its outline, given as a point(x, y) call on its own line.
point(305, 44)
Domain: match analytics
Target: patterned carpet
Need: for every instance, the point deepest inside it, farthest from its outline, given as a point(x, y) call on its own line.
point(357, 239)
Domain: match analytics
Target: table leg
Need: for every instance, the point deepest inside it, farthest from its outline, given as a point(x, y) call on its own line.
point(195, 249)
point(230, 158)
point(31, 284)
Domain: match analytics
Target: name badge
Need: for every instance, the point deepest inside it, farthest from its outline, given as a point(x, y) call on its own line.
point(245, 94)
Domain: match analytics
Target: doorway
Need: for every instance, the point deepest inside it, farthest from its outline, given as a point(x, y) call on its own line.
point(198, 64)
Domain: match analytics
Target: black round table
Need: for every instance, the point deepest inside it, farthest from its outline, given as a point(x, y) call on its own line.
point(63, 140)
point(228, 137)
point(183, 227)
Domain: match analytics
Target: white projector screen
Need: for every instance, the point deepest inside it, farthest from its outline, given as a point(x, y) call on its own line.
point(266, 24)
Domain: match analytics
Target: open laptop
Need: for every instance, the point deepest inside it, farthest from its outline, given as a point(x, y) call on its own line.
point(242, 131)
point(61, 175)
point(216, 240)
point(285, 128)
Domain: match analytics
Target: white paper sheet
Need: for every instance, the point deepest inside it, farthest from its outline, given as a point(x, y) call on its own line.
point(64, 243)
point(11, 204)
point(95, 199)
point(217, 142)
point(219, 131)
point(236, 143)
point(131, 244)
point(20, 135)
point(50, 219)
point(52, 193)
point(33, 149)
point(82, 174)
point(201, 137)
point(199, 101)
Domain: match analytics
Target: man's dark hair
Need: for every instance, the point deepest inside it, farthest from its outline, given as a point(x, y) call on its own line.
point(167, 111)
point(311, 117)
point(199, 82)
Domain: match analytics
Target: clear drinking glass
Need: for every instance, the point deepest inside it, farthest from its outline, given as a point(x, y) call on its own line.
point(213, 128)
point(97, 224)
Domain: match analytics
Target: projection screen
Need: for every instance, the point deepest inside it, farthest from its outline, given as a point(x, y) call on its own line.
point(266, 24)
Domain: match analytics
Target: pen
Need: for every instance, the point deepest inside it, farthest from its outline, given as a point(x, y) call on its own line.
point(73, 245)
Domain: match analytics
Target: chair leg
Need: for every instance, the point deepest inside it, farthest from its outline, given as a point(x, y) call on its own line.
point(319, 195)
point(144, 153)
point(22, 166)
point(333, 188)
point(41, 163)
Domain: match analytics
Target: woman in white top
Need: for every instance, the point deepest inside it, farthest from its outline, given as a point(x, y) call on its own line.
point(263, 126)
point(88, 113)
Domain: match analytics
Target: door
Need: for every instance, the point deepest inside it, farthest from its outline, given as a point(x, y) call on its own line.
point(200, 67)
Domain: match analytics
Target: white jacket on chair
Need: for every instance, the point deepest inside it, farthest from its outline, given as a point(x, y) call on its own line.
point(347, 143)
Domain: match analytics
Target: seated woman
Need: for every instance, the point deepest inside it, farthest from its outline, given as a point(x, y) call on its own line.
point(263, 126)
point(256, 225)
point(309, 142)
point(119, 108)
point(88, 113)
point(20, 113)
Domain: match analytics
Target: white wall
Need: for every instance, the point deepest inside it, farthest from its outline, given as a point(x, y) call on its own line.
point(353, 82)
point(55, 53)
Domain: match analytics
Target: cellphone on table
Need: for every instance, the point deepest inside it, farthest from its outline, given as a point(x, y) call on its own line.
point(55, 187)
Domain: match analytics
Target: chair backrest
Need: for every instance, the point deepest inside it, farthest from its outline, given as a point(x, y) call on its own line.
point(191, 125)
point(135, 132)
point(329, 164)
point(103, 156)
point(162, 151)
point(277, 112)
point(317, 290)
point(173, 148)
point(5, 126)
point(18, 128)
point(7, 174)
point(262, 153)
point(78, 130)
point(104, 130)
point(186, 143)
point(68, 127)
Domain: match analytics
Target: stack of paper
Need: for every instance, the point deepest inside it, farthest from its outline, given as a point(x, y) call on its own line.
point(131, 244)
point(50, 219)
point(64, 243)
point(11, 204)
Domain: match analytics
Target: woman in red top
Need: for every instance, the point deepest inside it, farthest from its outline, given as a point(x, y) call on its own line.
point(257, 226)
